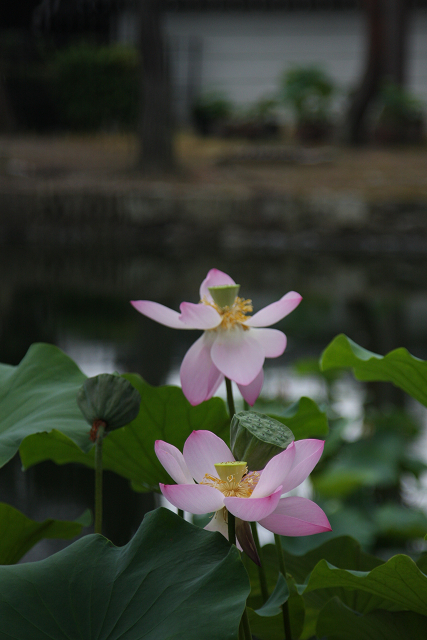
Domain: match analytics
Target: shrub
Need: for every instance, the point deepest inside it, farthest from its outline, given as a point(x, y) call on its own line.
point(210, 109)
point(401, 118)
point(398, 105)
point(308, 90)
point(97, 86)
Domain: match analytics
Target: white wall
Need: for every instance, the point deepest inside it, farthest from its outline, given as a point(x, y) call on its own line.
point(244, 54)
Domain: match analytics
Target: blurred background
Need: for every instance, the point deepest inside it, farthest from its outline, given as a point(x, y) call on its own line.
point(283, 141)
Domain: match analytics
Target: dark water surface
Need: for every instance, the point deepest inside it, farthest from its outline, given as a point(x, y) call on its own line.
point(79, 300)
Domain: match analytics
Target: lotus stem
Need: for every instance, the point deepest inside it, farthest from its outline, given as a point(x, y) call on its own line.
point(98, 478)
point(261, 573)
point(230, 399)
point(285, 605)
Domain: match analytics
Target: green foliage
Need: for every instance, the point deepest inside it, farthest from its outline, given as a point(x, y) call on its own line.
point(396, 585)
point(308, 90)
point(172, 580)
point(19, 533)
point(373, 461)
point(304, 419)
point(213, 106)
point(399, 366)
point(398, 105)
point(39, 395)
point(97, 86)
point(338, 622)
point(277, 598)
point(165, 414)
point(338, 579)
point(209, 109)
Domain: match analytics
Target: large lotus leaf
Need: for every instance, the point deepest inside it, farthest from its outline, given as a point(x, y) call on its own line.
point(343, 552)
point(338, 622)
point(304, 419)
point(267, 622)
point(40, 395)
point(266, 628)
point(399, 366)
point(165, 414)
point(397, 585)
point(273, 605)
point(172, 580)
point(19, 534)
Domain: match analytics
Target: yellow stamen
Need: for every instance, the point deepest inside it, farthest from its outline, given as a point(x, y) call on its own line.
point(234, 315)
point(239, 484)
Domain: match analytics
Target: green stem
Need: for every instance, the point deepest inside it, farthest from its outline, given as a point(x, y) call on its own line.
point(285, 605)
point(244, 628)
point(181, 513)
point(246, 406)
point(230, 399)
point(244, 623)
point(261, 573)
point(98, 479)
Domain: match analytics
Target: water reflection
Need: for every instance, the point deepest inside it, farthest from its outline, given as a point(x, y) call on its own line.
point(79, 300)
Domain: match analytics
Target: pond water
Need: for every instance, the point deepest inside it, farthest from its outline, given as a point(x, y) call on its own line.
point(79, 300)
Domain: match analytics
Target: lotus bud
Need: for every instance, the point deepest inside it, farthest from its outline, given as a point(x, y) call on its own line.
point(257, 438)
point(108, 401)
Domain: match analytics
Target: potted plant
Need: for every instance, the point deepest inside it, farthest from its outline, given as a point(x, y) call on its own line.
point(400, 119)
point(209, 111)
point(308, 91)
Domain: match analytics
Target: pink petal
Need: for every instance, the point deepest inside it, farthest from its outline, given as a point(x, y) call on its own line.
point(275, 472)
point(237, 355)
point(173, 461)
point(253, 509)
point(199, 376)
point(217, 523)
point(215, 278)
point(275, 311)
point(195, 498)
point(199, 316)
point(272, 341)
point(307, 455)
point(250, 392)
point(202, 450)
point(159, 313)
point(296, 516)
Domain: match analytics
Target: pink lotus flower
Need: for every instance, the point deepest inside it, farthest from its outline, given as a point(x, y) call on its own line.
point(233, 345)
point(224, 485)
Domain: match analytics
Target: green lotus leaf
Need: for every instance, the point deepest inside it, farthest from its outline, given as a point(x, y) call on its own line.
point(165, 414)
point(397, 585)
point(398, 367)
point(338, 622)
point(39, 395)
point(304, 419)
point(172, 580)
point(19, 533)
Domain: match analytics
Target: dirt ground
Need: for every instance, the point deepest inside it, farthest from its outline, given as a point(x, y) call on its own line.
point(375, 174)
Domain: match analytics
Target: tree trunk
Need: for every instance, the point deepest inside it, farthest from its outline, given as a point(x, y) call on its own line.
point(387, 27)
point(396, 22)
point(155, 126)
point(7, 119)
